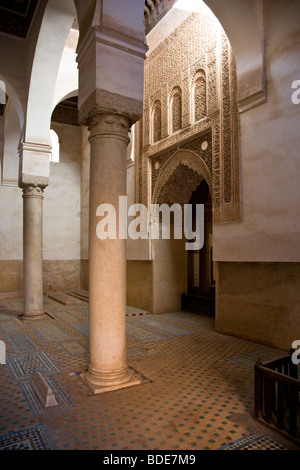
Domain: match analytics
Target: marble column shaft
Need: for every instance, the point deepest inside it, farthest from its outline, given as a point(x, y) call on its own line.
point(33, 251)
point(107, 258)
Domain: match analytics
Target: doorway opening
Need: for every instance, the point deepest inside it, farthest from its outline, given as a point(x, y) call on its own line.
point(200, 297)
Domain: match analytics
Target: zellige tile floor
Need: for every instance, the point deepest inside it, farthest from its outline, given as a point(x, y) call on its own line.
point(196, 393)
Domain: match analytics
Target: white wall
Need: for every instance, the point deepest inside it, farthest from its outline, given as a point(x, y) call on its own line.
point(62, 198)
point(11, 203)
point(270, 149)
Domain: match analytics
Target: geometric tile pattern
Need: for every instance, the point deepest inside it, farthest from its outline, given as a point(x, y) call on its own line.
point(192, 395)
point(24, 366)
point(82, 310)
point(51, 333)
point(164, 327)
point(34, 403)
point(67, 317)
point(254, 442)
point(74, 348)
point(190, 318)
point(135, 350)
point(18, 304)
point(22, 343)
point(10, 327)
point(251, 358)
point(28, 439)
point(82, 328)
point(136, 331)
point(5, 315)
point(244, 361)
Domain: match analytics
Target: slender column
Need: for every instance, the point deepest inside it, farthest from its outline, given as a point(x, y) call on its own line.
point(32, 251)
point(107, 368)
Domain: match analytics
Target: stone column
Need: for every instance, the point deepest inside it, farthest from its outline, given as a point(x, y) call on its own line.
point(107, 368)
point(32, 251)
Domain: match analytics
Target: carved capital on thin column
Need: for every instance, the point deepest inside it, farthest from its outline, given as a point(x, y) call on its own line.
point(109, 125)
point(31, 190)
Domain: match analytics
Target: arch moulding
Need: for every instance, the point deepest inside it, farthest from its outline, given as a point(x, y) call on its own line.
point(186, 158)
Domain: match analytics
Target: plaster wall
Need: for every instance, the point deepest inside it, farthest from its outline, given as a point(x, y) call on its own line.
point(62, 198)
point(169, 274)
point(11, 236)
point(11, 226)
point(61, 265)
point(11, 136)
point(140, 284)
point(269, 149)
point(61, 224)
point(11, 204)
point(259, 302)
point(135, 249)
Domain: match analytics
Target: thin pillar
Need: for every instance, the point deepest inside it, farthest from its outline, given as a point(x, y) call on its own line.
point(32, 252)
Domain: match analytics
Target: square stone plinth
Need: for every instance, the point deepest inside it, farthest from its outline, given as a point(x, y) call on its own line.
point(96, 390)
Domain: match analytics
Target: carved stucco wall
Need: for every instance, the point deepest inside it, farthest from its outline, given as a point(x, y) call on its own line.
point(195, 54)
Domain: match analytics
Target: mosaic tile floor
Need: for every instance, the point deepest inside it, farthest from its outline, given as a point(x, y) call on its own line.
point(30, 439)
point(254, 442)
point(196, 392)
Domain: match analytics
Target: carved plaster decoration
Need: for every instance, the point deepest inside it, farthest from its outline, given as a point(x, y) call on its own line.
point(109, 125)
point(179, 160)
point(180, 186)
point(175, 110)
point(196, 63)
point(226, 118)
point(156, 122)
point(102, 101)
point(30, 190)
point(199, 98)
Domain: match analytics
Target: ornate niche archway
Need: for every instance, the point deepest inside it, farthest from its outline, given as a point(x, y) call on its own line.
point(182, 180)
point(181, 161)
point(200, 63)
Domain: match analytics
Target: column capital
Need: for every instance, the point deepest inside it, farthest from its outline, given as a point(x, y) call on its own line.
point(109, 125)
point(33, 190)
point(105, 102)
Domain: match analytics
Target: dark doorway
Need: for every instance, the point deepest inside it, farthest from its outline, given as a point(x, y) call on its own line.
point(200, 297)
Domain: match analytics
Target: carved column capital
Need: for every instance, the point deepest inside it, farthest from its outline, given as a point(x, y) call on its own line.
point(109, 125)
point(31, 190)
point(105, 102)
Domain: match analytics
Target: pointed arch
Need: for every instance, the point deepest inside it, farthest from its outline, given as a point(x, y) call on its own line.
point(199, 96)
point(156, 122)
point(175, 110)
point(186, 158)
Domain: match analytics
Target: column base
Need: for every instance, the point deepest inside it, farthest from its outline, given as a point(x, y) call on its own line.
point(97, 387)
point(28, 317)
